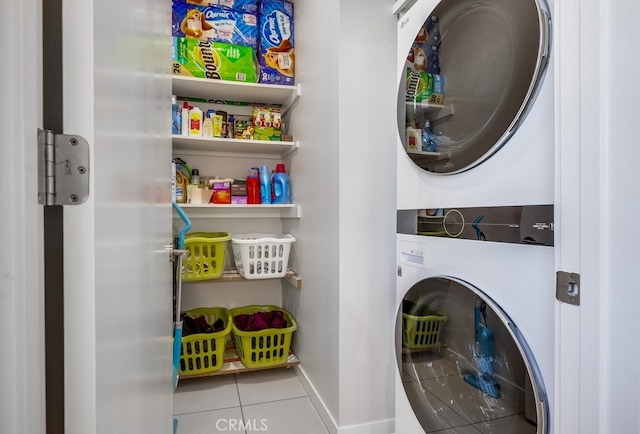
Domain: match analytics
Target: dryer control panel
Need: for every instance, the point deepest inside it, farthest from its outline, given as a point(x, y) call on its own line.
point(531, 224)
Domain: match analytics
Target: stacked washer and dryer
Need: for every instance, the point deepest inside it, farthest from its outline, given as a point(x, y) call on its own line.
point(475, 290)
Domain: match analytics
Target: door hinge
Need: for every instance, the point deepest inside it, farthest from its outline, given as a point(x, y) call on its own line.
point(63, 169)
point(568, 287)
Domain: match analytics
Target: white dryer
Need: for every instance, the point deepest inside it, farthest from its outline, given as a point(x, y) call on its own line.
point(474, 336)
point(475, 103)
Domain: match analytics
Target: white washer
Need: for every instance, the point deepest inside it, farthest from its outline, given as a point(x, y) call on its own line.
point(495, 127)
point(451, 276)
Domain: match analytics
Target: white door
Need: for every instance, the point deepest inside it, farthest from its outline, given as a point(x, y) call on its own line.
point(117, 275)
point(597, 154)
point(22, 403)
point(118, 295)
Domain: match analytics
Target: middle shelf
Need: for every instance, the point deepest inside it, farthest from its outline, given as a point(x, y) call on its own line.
point(225, 211)
point(232, 275)
point(235, 146)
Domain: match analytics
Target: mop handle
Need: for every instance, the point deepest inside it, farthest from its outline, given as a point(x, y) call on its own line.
point(185, 228)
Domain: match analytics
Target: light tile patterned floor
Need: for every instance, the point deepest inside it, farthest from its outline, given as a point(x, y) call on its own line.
point(273, 401)
point(270, 401)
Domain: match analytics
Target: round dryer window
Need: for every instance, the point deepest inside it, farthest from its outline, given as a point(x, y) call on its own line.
point(472, 71)
point(464, 365)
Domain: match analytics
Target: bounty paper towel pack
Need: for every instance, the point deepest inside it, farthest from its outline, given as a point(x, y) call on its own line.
point(275, 45)
point(213, 60)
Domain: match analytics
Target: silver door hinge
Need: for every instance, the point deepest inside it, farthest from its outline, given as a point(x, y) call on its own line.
point(568, 287)
point(63, 169)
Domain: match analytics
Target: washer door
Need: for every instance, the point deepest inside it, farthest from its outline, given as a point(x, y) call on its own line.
point(470, 76)
point(464, 364)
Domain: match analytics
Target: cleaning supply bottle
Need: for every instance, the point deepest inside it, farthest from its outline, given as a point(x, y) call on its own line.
point(184, 117)
point(176, 116)
point(265, 185)
point(428, 138)
point(195, 122)
point(207, 124)
point(253, 186)
point(281, 185)
point(230, 127)
point(195, 176)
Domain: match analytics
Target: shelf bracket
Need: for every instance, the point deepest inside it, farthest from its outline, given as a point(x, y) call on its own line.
point(292, 101)
point(294, 281)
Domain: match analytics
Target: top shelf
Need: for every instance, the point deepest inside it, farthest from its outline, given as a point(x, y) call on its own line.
point(221, 90)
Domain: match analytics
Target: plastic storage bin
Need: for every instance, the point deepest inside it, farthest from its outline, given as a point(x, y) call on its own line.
point(420, 332)
point(262, 256)
point(263, 348)
point(204, 352)
point(206, 257)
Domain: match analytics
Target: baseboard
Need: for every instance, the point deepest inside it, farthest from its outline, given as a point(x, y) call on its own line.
point(325, 415)
point(377, 427)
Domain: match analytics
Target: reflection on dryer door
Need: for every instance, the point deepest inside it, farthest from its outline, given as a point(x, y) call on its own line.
point(472, 71)
point(463, 365)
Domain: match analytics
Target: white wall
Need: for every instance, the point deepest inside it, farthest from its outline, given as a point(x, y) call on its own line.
point(367, 214)
point(344, 177)
point(313, 171)
point(621, 355)
point(598, 366)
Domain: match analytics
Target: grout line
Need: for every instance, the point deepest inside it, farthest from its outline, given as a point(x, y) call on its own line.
point(276, 400)
point(235, 378)
point(206, 411)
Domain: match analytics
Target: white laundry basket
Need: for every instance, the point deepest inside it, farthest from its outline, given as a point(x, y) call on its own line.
point(262, 256)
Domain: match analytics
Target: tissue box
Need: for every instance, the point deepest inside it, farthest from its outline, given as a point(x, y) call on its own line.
point(214, 23)
point(221, 191)
point(275, 47)
point(198, 195)
point(213, 60)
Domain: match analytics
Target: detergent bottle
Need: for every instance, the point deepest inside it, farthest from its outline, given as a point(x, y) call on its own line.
point(253, 186)
point(265, 185)
point(281, 187)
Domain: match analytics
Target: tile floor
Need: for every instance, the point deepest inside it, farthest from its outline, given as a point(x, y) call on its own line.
point(268, 401)
point(274, 401)
point(449, 405)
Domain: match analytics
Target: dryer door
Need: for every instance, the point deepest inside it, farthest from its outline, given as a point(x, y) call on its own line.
point(472, 70)
point(464, 364)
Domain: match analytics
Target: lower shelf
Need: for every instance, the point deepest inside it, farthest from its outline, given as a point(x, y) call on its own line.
point(232, 275)
point(233, 365)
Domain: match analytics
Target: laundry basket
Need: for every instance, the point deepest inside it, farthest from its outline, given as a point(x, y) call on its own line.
point(206, 257)
point(204, 352)
point(421, 332)
point(263, 348)
point(262, 256)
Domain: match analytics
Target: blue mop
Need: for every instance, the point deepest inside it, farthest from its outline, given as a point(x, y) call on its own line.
point(475, 225)
point(484, 354)
point(177, 332)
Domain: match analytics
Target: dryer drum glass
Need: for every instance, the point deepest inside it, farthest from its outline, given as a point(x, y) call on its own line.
point(472, 73)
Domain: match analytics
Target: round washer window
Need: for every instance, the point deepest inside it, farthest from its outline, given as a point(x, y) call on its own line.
point(464, 364)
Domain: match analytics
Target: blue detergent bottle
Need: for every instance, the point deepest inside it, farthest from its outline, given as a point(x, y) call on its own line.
point(265, 185)
point(281, 186)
